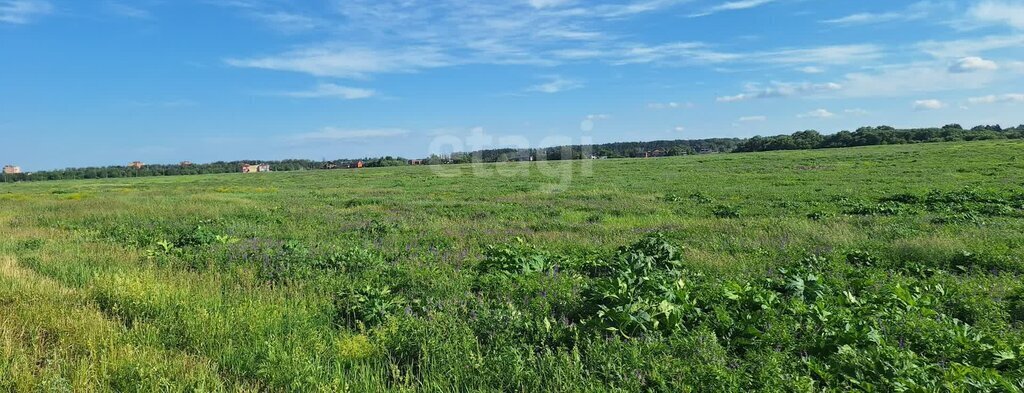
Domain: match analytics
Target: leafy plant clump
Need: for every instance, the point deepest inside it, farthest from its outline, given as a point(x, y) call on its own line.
point(726, 211)
point(641, 289)
point(365, 307)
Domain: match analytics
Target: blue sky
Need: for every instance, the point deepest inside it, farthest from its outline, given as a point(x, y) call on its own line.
point(108, 82)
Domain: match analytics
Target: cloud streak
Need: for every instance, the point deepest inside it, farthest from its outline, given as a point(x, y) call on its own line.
point(916, 11)
point(21, 12)
point(733, 6)
point(781, 89)
point(997, 99)
point(352, 62)
point(816, 114)
point(1010, 13)
point(555, 84)
point(331, 90)
point(392, 36)
point(332, 134)
point(928, 105)
point(973, 64)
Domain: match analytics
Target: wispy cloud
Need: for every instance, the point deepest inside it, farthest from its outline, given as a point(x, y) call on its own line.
point(349, 62)
point(555, 84)
point(781, 89)
point(997, 99)
point(332, 134)
point(970, 47)
point(23, 11)
point(331, 90)
point(748, 119)
point(905, 79)
point(288, 22)
point(539, 4)
point(733, 6)
point(670, 105)
point(696, 53)
point(389, 36)
point(928, 105)
point(973, 64)
point(999, 12)
point(817, 114)
point(916, 11)
point(127, 10)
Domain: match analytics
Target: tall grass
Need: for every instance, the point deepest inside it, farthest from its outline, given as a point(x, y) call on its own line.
point(879, 268)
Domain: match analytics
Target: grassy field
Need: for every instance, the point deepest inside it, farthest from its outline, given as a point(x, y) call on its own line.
point(883, 268)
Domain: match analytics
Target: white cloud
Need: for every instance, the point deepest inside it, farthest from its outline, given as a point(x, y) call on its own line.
point(388, 36)
point(926, 105)
point(669, 105)
point(972, 64)
point(23, 11)
point(907, 79)
point(348, 62)
point(830, 54)
point(689, 53)
point(994, 99)
point(781, 89)
point(555, 84)
point(811, 70)
point(864, 18)
point(916, 11)
point(1000, 12)
point(970, 47)
point(747, 119)
point(549, 3)
point(733, 6)
point(331, 90)
point(679, 129)
point(127, 11)
point(817, 113)
point(288, 22)
point(856, 111)
point(331, 134)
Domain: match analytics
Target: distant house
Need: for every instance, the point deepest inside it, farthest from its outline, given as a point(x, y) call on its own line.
point(655, 153)
point(357, 164)
point(415, 162)
point(329, 165)
point(11, 170)
point(255, 168)
point(136, 165)
point(185, 164)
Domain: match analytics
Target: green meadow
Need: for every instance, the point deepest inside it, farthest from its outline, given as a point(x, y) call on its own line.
point(885, 268)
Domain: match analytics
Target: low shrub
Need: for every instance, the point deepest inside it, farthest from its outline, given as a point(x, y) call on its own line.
point(365, 307)
point(726, 211)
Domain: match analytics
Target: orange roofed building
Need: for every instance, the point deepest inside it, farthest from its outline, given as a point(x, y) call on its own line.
point(11, 170)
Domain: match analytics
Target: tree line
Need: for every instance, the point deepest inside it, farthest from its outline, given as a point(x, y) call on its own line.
point(883, 135)
point(809, 139)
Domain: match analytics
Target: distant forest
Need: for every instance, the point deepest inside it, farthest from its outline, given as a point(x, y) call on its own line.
point(810, 139)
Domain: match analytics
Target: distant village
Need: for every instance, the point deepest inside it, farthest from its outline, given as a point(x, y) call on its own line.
point(517, 156)
point(864, 136)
